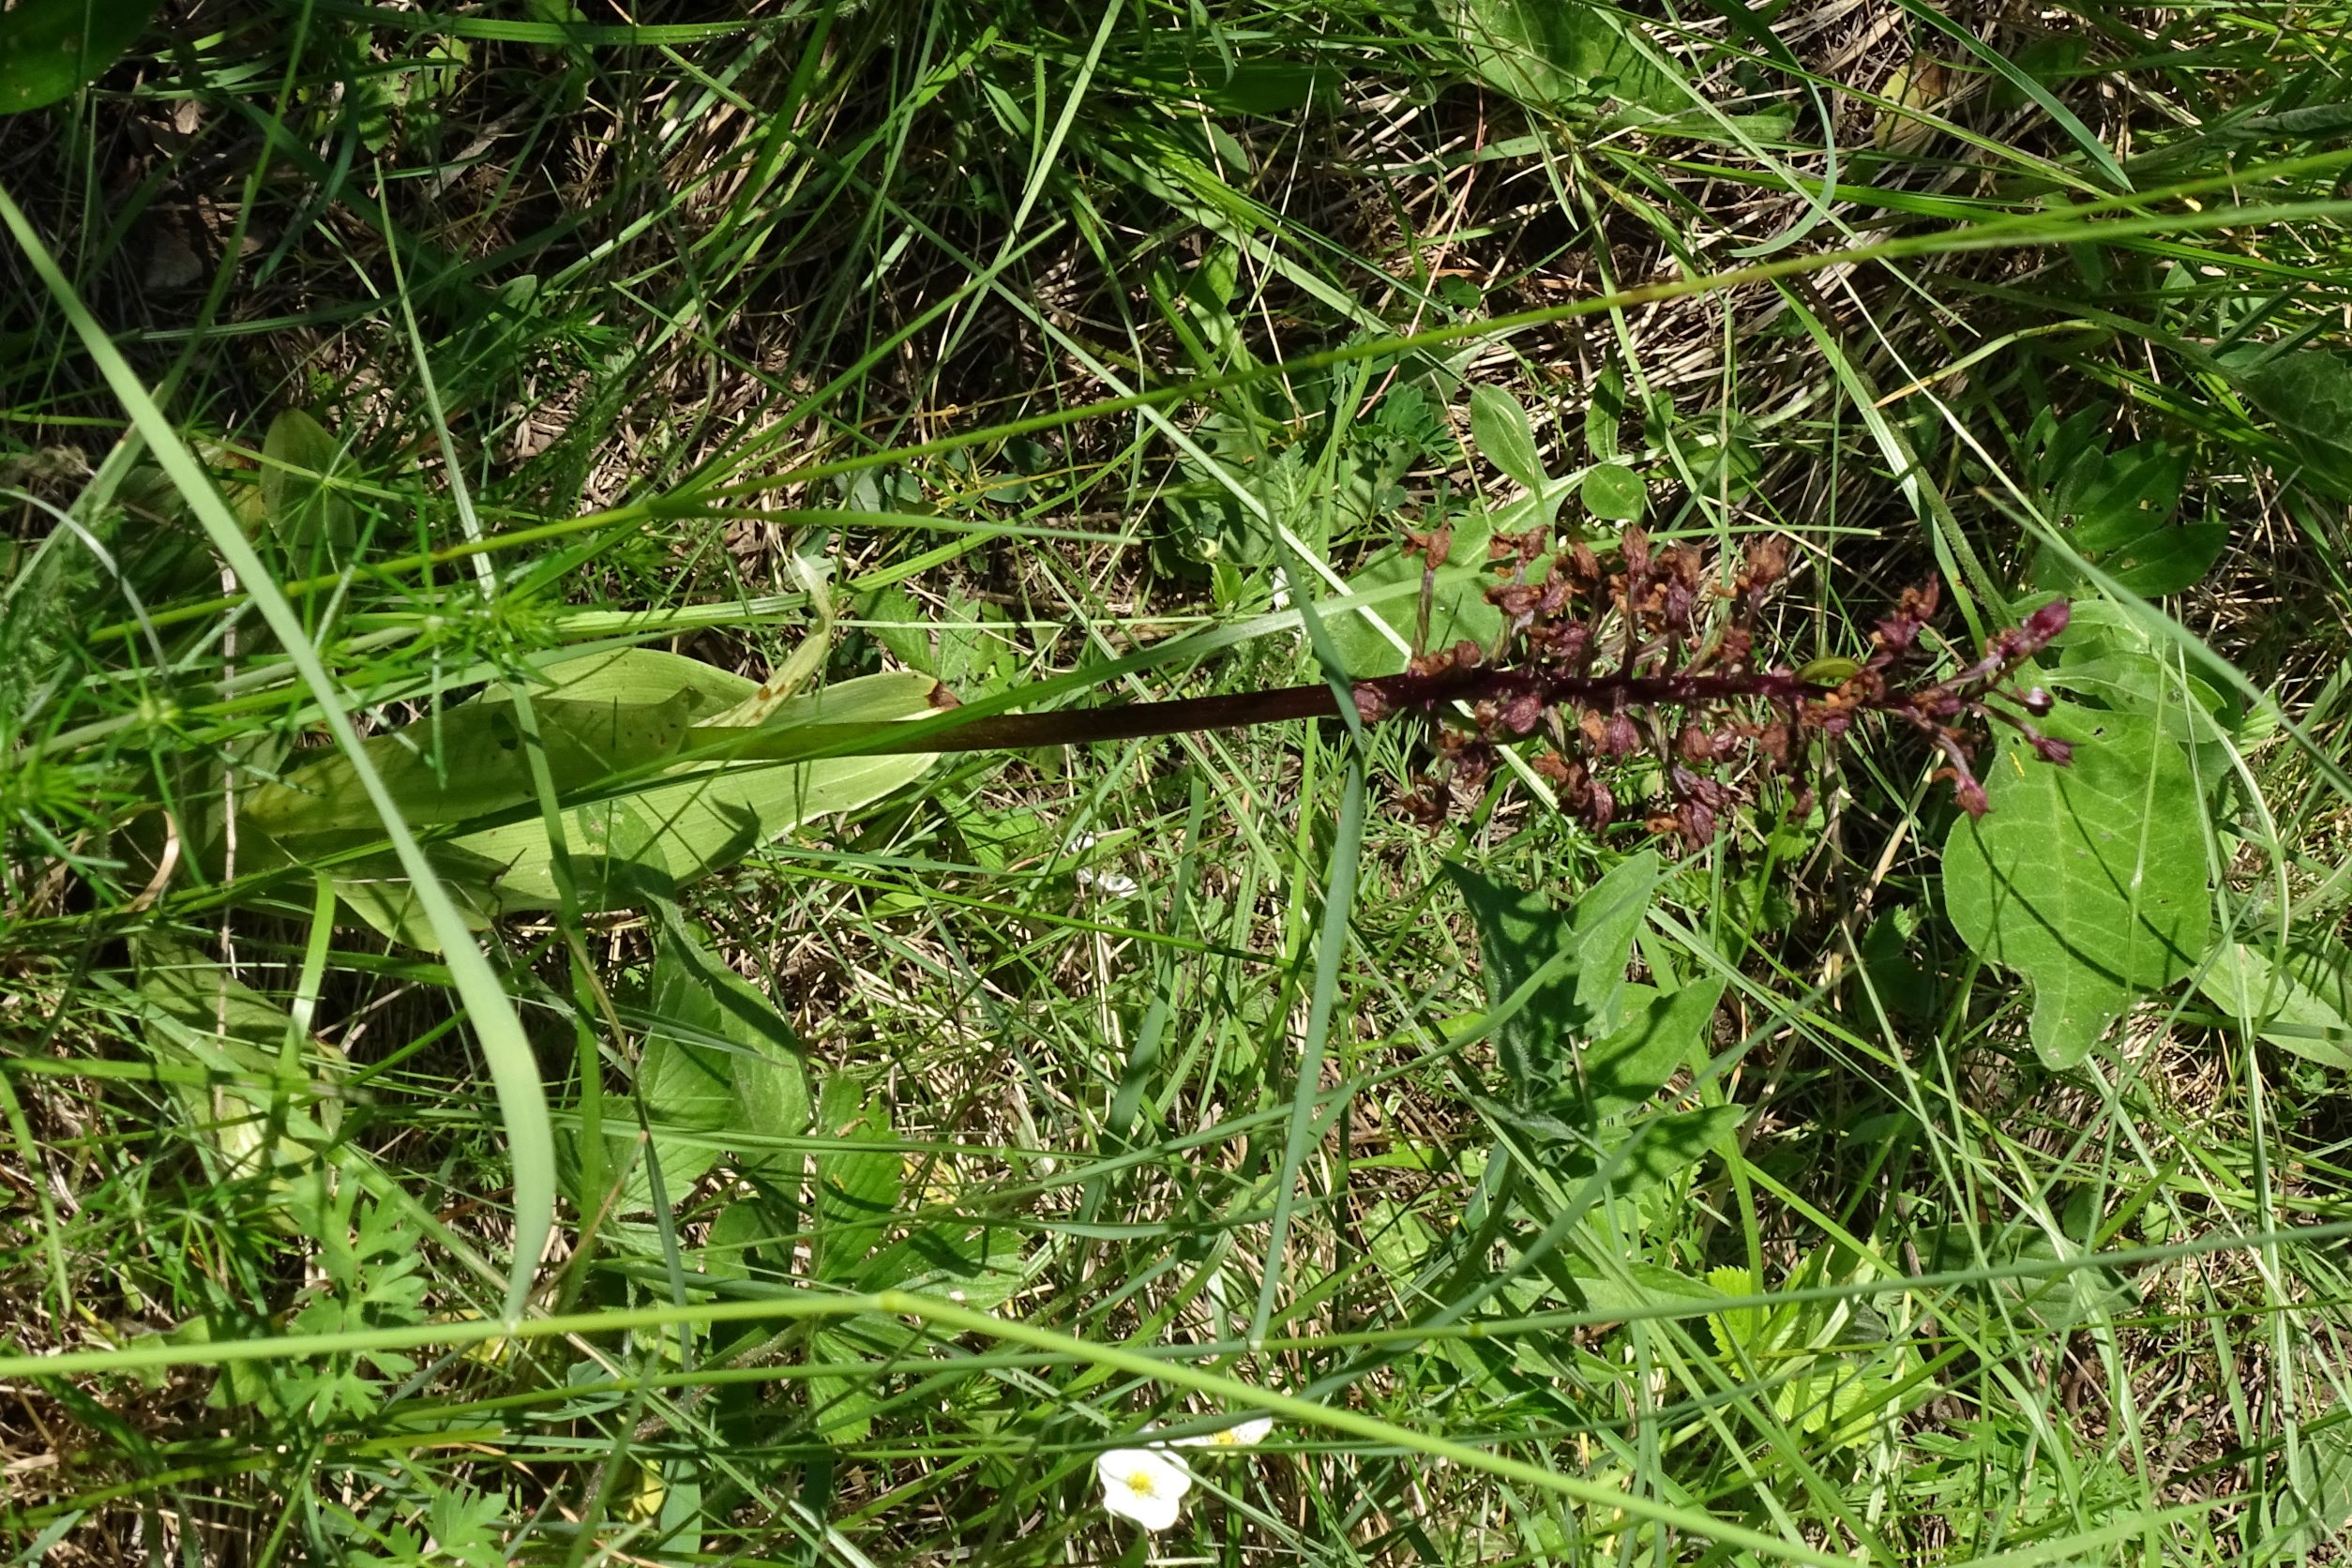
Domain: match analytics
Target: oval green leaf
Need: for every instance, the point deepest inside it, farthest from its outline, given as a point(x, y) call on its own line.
point(49, 48)
point(2088, 880)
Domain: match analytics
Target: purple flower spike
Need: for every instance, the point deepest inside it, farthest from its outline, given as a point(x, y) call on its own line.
point(1655, 662)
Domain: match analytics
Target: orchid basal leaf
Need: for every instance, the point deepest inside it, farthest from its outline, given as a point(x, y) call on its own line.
point(606, 729)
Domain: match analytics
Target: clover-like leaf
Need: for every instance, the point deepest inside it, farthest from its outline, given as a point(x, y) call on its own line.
point(2088, 880)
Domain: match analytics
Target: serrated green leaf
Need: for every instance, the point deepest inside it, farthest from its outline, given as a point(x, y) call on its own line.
point(2088, 880)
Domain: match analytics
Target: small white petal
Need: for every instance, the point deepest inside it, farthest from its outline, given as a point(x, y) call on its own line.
point(1248, 1434)
point(1143, 1484)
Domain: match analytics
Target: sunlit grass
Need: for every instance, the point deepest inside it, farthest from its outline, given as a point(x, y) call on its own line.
point(1079, 1091)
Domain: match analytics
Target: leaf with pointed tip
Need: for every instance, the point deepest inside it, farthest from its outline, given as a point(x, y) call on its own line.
point(859, 1178)
point(2088, 880)
point(1554, 977)
point(1625, 1071)
point(194, 1012)
point(2302, 1005)
point(1458, 609)
point(650, 836)
point(1500, 428)
point(2309, 394)
point(1556, 54)
point(300, 500)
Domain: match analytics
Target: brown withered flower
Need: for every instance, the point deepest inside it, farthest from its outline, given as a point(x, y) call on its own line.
point(1654, 661)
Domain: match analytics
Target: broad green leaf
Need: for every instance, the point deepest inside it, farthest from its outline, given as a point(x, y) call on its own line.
point(49, 48)
point(1664, 1147)
point(2058, 1301)
point(1769, 130)
point(1604, 413)
point(2320, 1507)
point(471, 761)
point(1625, 1071)
point(2088, 880)
point(842, 1409)
point(2303, 1004)
point(300, 495)
point(635, 676)
point(1553, 53)
point(1552, 980)
point(2118, 508)
point(1398, 1241)
point(717, 1063)
point(1644, 1285)
point(1613, 493)
point(771, 1101)
point(2307, 393)
point(2107, 657)
point(975, 1267)
point(859, 1180)
point(767, 1077)
point(688, 1097)
point(1457, 605)
point(663, 833)
point(739, 1231)
point(1499, 429)
point(1901, 986)
point(257, 1116)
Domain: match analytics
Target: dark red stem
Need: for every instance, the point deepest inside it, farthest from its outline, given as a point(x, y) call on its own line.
point(1376, 700)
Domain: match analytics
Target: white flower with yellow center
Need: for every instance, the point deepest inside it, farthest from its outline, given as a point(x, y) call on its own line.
point(1144, 1484)
point(1248, 1434)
